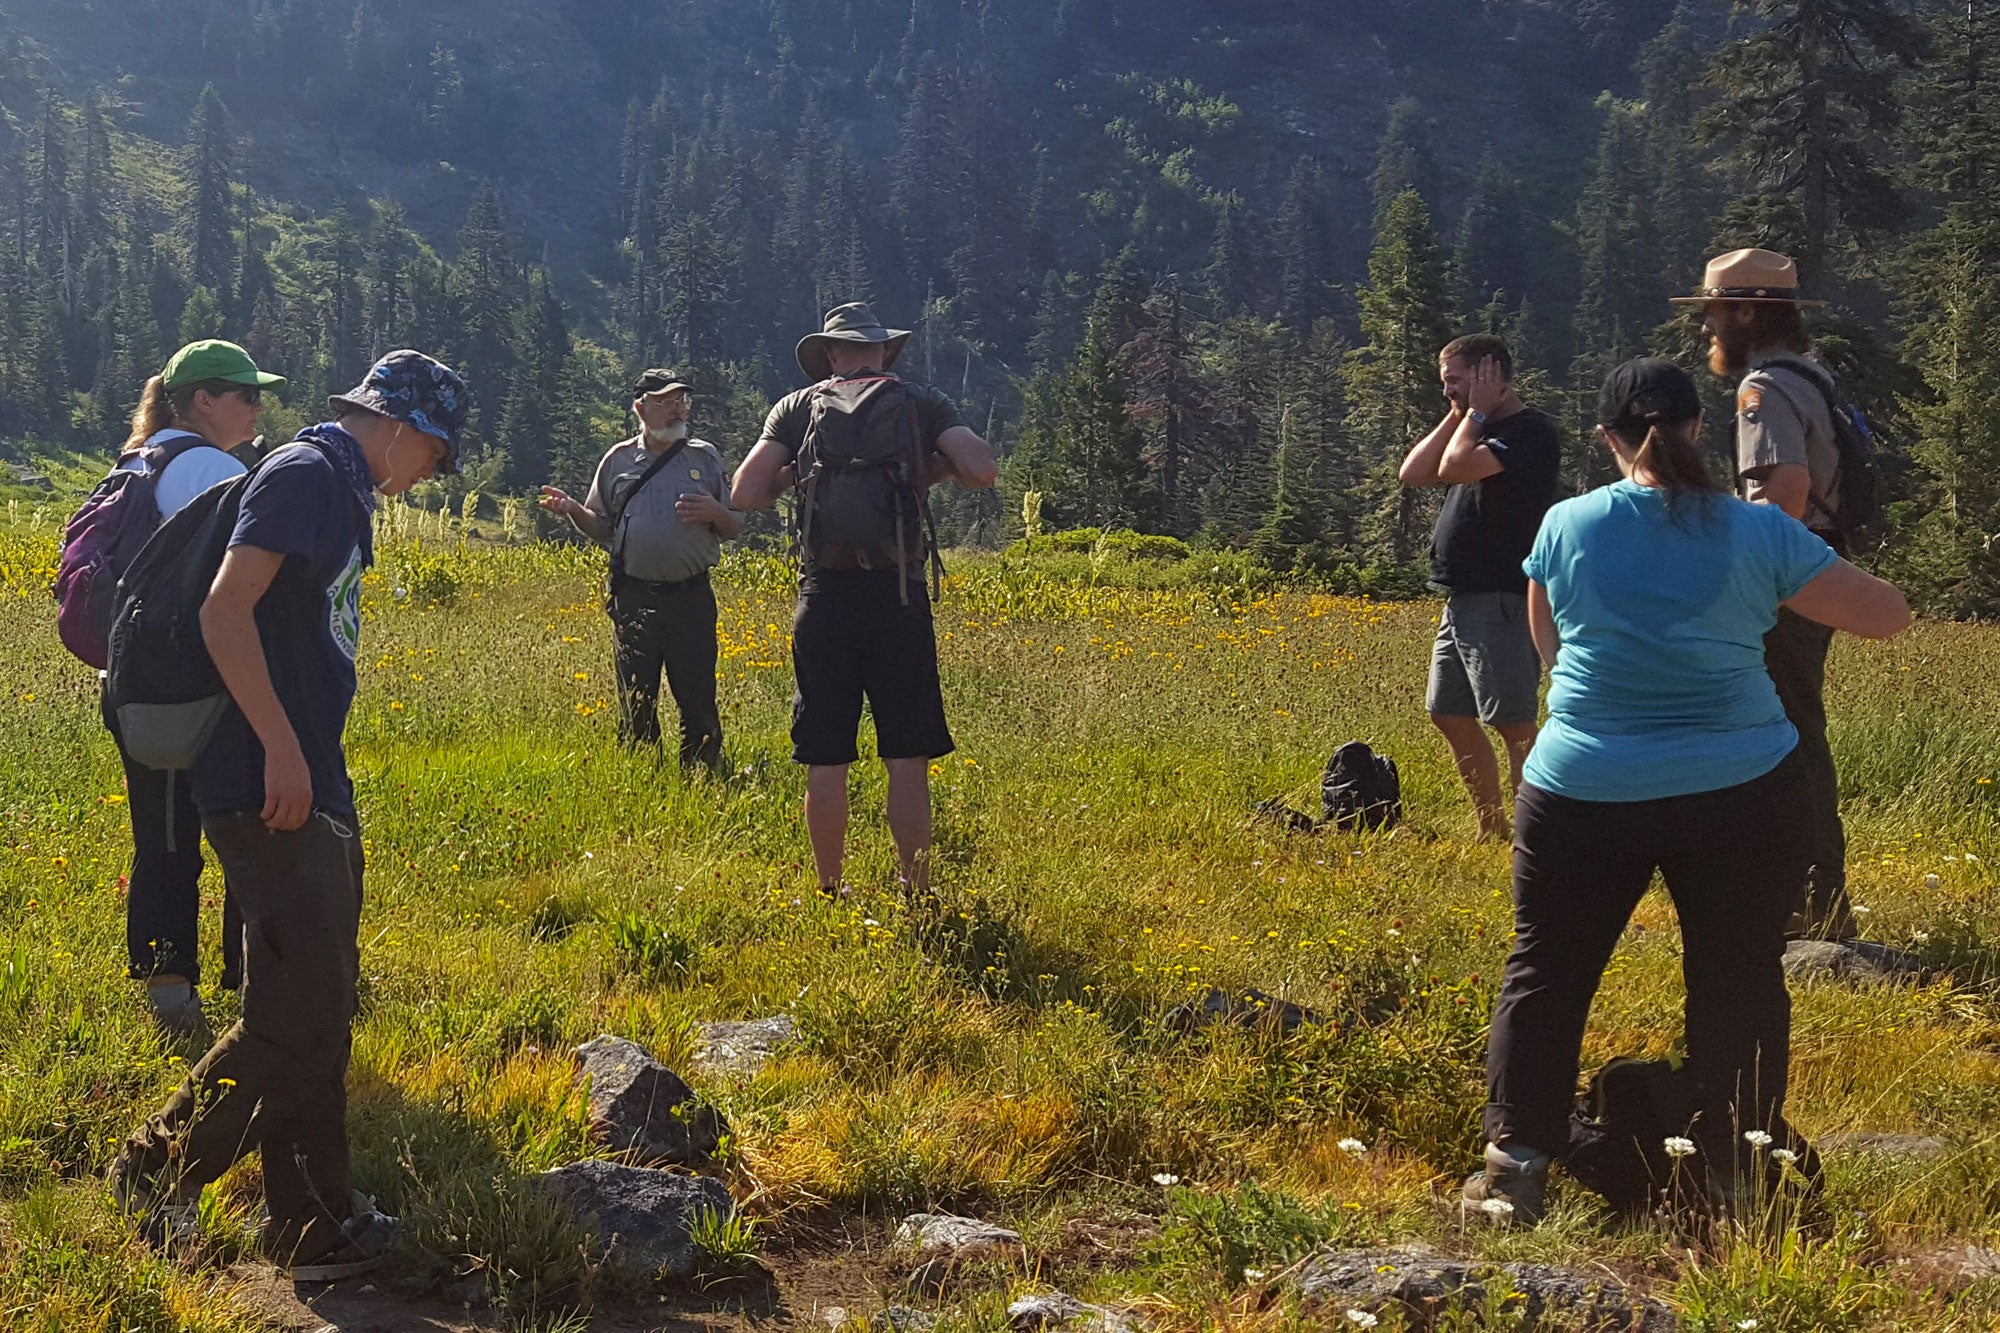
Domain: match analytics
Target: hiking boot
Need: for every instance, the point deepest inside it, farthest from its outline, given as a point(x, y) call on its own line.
point(365, 1241)
point(177, 1010)
point(169, 1228)
point(1511, 1190)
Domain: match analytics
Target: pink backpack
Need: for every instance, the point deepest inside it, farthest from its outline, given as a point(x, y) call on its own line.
point(100, 541)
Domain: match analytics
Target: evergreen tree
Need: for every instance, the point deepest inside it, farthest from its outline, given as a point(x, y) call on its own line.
point(1405, 158)
point(201, 317)
point(211, 217)
point(1168, 394)
point(1392, 376)
point(540, 406)
point(482, 288)
point(1802, 107)
point(1304, 253)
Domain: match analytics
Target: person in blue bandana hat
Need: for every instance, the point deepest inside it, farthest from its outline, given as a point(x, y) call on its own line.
point(282, 622)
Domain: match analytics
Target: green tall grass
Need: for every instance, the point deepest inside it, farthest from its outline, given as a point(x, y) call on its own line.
point(531, 885)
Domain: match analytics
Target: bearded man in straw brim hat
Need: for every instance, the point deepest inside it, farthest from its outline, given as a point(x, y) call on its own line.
point(863, 628)
point(1787, 455)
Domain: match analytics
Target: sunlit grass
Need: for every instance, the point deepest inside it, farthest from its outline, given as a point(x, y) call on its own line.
point(530, 885)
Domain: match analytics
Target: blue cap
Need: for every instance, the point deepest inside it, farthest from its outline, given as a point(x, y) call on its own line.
point(417, 390)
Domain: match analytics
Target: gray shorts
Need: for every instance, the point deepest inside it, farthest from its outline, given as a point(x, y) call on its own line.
point(1484, 663)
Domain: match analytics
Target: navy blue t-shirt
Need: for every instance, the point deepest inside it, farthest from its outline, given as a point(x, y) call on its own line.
point(303, 507)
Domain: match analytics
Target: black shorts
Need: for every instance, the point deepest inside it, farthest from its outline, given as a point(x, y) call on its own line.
point(852, 637)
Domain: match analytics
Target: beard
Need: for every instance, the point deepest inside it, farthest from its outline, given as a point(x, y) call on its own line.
point(1726, 359)
point(666, 435)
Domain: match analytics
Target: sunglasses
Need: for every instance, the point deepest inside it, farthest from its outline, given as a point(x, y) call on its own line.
point(249, 393)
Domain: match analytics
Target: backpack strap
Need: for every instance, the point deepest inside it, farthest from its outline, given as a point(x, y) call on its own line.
point(1822, 380)
point(619, 509)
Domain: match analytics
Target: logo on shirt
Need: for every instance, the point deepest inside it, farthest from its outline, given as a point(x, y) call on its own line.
point(1748, 399)
point(343, 607)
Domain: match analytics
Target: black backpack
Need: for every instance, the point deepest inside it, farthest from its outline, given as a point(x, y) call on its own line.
point(161, 684)
point(863, 486)
point(1360, 790)
point(1860, 506)
point(1618, 1139)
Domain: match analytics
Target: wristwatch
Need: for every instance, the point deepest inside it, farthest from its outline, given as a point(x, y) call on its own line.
point(1478, 417)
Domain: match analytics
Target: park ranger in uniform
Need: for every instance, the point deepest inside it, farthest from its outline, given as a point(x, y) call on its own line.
point(658, 505)
point(1787, 455)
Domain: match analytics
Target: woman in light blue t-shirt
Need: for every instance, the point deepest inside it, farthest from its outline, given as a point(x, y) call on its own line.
point(1666, 750)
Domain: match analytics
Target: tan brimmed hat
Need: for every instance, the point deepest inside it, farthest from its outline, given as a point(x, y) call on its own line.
point(853, 323)
point(1750, 275)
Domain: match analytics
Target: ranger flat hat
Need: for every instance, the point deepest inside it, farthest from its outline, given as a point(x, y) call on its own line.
point(1750, 275)
point(852, 323)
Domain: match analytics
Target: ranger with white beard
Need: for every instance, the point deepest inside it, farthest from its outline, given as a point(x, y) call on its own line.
point(658, 504)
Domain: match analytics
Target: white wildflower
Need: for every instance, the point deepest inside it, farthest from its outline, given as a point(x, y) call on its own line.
point(1353, 1147)
point(1784, 1156)
point(1756, 1138)
point(1746, 1323)
point(1497, 1207)
point(1255, 1274)
point(1362, 1319)
point(1165, 1178)
point(1678, 1147)
point(1932, 881)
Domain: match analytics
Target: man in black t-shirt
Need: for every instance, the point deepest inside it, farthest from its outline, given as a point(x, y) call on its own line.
point(1500, 458)
point(863, 626)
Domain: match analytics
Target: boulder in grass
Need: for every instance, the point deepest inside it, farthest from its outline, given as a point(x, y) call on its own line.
point(744, 1048)
point(642, 1110)
point(901, 1319)
point(1060, 1310)
point(1850, 960)
point(642, 1218)
point(958, 1237)
point(1420, 1285)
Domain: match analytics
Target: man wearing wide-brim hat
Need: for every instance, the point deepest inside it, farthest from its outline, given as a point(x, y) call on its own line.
point(863, 628)
point(1787, 455)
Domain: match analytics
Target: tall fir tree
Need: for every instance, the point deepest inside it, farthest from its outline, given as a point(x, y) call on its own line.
point(211, 214)
point(1392, 377)
point(1802, 109)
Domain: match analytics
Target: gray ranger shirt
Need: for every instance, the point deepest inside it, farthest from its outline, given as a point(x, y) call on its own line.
point(1781, 417)
point(653, 541)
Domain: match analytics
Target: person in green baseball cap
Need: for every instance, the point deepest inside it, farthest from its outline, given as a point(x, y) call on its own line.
point(190, 416)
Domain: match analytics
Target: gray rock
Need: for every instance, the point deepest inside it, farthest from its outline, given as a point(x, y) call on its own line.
point(1057, 1309)
point(901, 1319)
point(1916, 1146)
point(1245, 1008)
point(1849, 960)
point(961, 1237)
point(1965, 1263)
point(642, 1110)
point(641, 1216)
point(1418, 1284)
point(744, 1048)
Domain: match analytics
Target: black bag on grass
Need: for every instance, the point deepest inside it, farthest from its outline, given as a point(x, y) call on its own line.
point(1360, 790)
point(1618, 1143)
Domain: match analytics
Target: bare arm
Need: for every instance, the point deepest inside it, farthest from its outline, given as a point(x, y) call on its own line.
point(710, 512)
point(967, 458)
point(766, 474)
point(585, 519)
point(229, 629)
point(1466, 457)
point(1420, 465)
point(1786, 485)
point(1848, 597)
point(1542, 624)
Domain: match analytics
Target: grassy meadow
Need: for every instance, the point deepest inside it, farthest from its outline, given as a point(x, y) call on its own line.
point(530, 886)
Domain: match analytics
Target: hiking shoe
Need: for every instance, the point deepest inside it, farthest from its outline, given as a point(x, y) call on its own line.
point(177, 1010)
point(365, 1242)
point(1511, 1190)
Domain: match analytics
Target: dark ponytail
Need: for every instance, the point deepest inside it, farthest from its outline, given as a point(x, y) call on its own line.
point(1669, 454)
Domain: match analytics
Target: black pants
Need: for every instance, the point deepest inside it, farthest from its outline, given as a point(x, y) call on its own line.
point(667, 627)
point(1732, 860)
point(276, 1083)
point(1795, 655)
point(163, 892)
